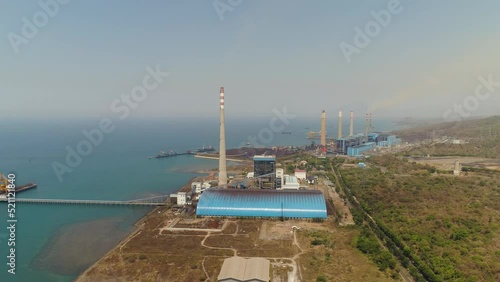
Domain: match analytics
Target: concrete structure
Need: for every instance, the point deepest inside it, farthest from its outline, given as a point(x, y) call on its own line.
point(262, 203)
point(351, 125)
point(457, 169)
point(181, 198)
point(279, 173)
point(290, 183)
point(300, 174)
point(340, 125)
point(222, 143)
point(279, 177)
point(238, 269)
point(323, 133)
point(196, 187)
point(250, 175)
point(264, 168)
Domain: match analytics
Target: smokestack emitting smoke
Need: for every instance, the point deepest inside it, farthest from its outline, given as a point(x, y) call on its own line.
point(323, 132)
point(340, 125)
point(351, 128)
point(222, 144)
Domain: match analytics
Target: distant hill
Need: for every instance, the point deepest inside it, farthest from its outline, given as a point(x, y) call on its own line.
point(467, 129)
point(481, 137)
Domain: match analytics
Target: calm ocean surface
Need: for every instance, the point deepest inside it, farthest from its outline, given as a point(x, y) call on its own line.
point(58, 242)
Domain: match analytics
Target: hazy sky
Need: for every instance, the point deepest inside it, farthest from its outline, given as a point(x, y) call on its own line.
point(267, 54)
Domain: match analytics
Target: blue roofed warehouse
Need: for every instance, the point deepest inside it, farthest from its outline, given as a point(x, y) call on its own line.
point(262, 203)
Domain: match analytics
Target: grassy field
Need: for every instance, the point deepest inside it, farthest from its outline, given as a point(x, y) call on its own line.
point(190, 256)
point(332, 254)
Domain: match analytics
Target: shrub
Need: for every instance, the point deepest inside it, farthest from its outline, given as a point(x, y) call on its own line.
point(322, 278)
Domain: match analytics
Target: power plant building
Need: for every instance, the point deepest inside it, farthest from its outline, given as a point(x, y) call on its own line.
point(262, 203)
point(290, 182)
point(358, 150)
point(264, 168)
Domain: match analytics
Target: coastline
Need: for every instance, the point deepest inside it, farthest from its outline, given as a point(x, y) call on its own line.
point(216, 158)
point(138, 225)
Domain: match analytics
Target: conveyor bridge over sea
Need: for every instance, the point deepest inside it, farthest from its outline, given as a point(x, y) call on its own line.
point(151, 201)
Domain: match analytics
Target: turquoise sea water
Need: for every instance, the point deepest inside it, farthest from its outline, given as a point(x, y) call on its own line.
point(58, 242)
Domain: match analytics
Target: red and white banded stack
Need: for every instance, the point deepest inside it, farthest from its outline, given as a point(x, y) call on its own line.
point(222, 144)
point(222, 98)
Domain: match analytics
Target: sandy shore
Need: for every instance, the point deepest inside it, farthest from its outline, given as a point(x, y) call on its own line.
point(74, 247)
point(138, 226)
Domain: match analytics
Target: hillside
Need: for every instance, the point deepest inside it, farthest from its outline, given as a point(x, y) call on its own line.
point(481, 138)
point(469, 129)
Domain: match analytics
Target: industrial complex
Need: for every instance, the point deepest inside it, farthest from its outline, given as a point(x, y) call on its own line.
point(270, 189)
point(267, 191)
point(272, 195)
point(354, 144)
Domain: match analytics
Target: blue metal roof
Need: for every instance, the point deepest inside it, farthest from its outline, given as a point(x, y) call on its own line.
point(262, 203)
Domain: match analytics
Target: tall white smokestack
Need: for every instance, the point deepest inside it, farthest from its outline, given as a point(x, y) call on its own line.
point(323, 132)
point(351, 128)
point(222, 144)
point(340, 125)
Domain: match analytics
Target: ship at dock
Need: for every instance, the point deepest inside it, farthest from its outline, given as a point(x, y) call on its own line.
point(4, 182)
point(204, 149)
point(170, 153)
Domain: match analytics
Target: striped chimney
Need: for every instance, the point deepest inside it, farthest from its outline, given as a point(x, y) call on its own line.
point(222, 144)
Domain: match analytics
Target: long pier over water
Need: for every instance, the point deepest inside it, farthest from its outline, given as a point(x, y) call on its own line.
point(153, 201)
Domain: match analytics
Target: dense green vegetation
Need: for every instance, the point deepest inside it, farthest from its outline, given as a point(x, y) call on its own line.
point(446, 226)
point(368, 243)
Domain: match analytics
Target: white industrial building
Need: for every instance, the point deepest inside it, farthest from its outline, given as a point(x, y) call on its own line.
point(301, 174)
point(238, 269)
point(181, 198)
point(199, 187)
point(290, 183)
point(279, 173)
